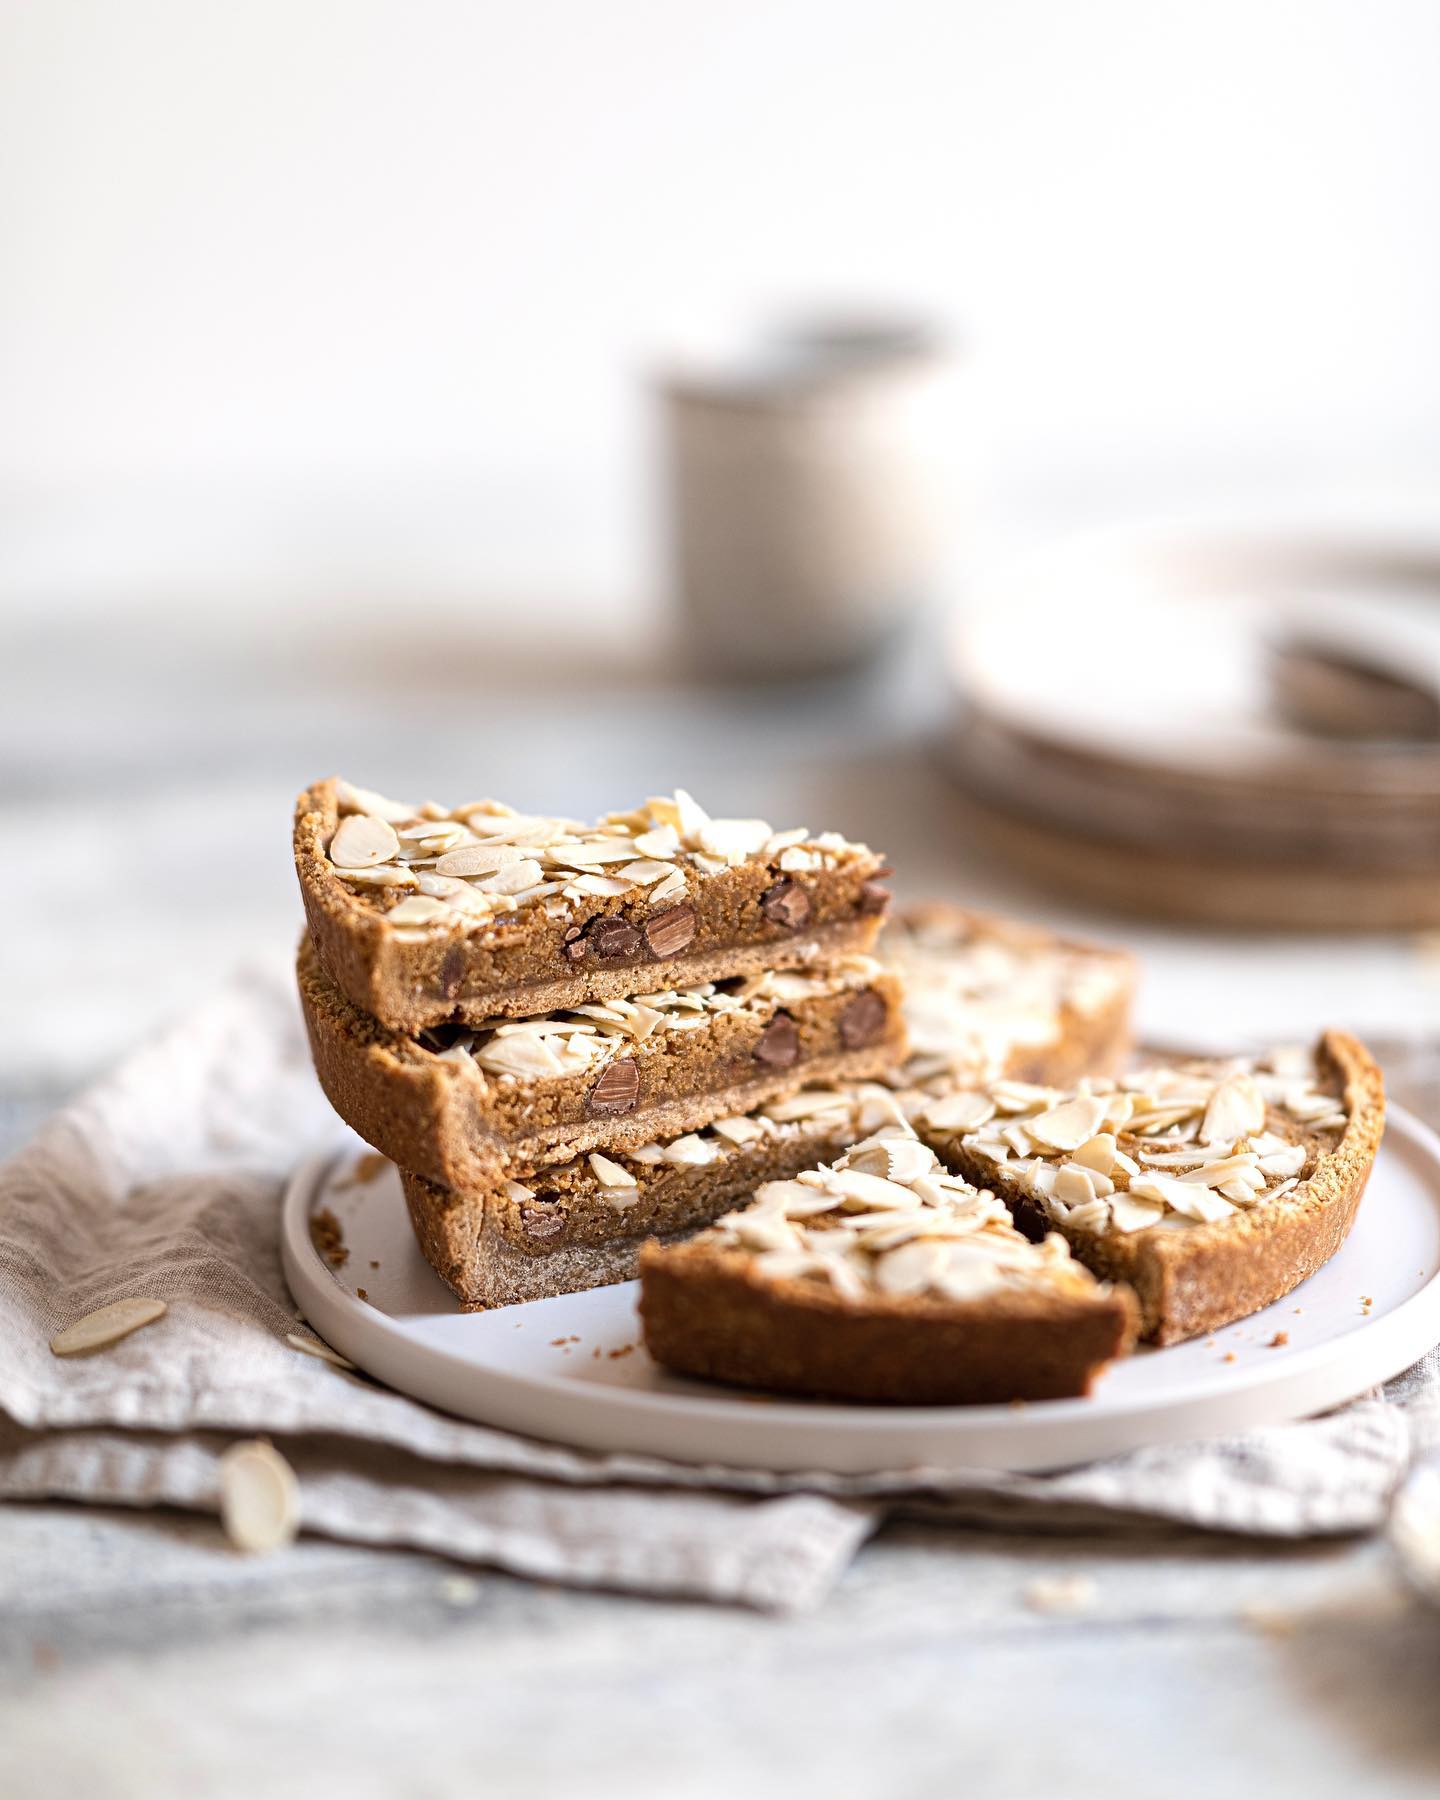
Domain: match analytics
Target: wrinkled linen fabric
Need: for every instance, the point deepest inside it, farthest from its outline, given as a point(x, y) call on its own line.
point(166, 1180)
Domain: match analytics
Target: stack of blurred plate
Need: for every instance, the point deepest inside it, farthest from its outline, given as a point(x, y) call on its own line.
point(1242, 731)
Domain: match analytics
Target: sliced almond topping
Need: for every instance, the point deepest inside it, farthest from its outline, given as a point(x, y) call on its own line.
point(478, 859)
point(1098, 1153)
point(644, 873)
point(608, 1173)
point(259, 1497)
point(673, 887)
point(362, 840)
point(740, 1130)
point(418, 909)
point(733, 839)
point(662, 843)
point(964, 1111)
point(364, 800)
point(1128, 1213)
point(1069, 1125)
point(690, 1151)
point(1235, 1110)
point(382, 875)
point(106, 1325)
point(871, 1191)
point(689, 817)
point(906, 1158)
point(1074, 1185)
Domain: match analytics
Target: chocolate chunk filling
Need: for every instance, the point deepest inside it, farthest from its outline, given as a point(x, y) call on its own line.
point(452, 971)
point(668, 932)
point(541, 1218)
point(617, 1090)
point(873, 898)
point(863, 1020)
point(779, 1044)
point(786, 904)
point(614, 939)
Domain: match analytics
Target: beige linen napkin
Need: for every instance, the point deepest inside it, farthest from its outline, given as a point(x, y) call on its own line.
point(166, 1180)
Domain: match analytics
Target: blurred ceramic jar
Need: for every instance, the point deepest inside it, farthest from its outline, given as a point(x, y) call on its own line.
point(816, 490)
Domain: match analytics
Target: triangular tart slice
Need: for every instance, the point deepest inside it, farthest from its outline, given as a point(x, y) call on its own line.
point(1211, 1187)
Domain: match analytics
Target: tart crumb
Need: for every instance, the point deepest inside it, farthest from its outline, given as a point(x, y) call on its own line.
point(1280, 1337)
point(328, 1238)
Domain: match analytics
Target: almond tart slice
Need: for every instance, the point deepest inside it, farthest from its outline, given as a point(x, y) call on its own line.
point(988, 997)
point(1212, 1187)
point(881, 1277)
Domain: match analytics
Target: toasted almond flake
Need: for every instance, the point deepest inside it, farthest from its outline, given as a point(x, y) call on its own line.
point(1129, 1214)
point(1216, 1174)
point(662, 842)
point(690, 1151)
point(739, 1130)
point(478, 859)
point(106, 1326)
point(316, 1348)
point(1074, 1185)
point(963, 1111)
point(419, 909)
point(1097, 1153)
point(733, 839)
point(643, 874)
point(362, 840)
point(588, 852)
point(602, 887)
point(907, 1159)
point(513, 878)
point(784, 840)
point(689, 817)
point(1235, 1109)
point(354, 799)
point(809, 1103)
point(382, 875)
point(1069, 1125)
point(912, 1268)
point(608, 1173)
point(259, 1497)
point(673, 887)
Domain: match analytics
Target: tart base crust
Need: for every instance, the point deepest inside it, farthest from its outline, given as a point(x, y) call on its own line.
point(706, 1312)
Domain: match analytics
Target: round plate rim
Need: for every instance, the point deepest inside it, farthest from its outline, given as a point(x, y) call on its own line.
point(1251, 1396)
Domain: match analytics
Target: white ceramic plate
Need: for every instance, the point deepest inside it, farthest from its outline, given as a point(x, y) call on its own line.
point(573, 1369)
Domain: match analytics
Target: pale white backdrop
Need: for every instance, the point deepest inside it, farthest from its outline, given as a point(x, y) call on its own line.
point(313, 296)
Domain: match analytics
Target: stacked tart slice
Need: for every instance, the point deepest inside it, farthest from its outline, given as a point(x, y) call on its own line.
point(523, 1011)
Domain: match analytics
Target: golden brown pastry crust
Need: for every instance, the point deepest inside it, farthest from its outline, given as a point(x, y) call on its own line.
point(431, 1114)
point(706, 1312)
point(516, 965)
